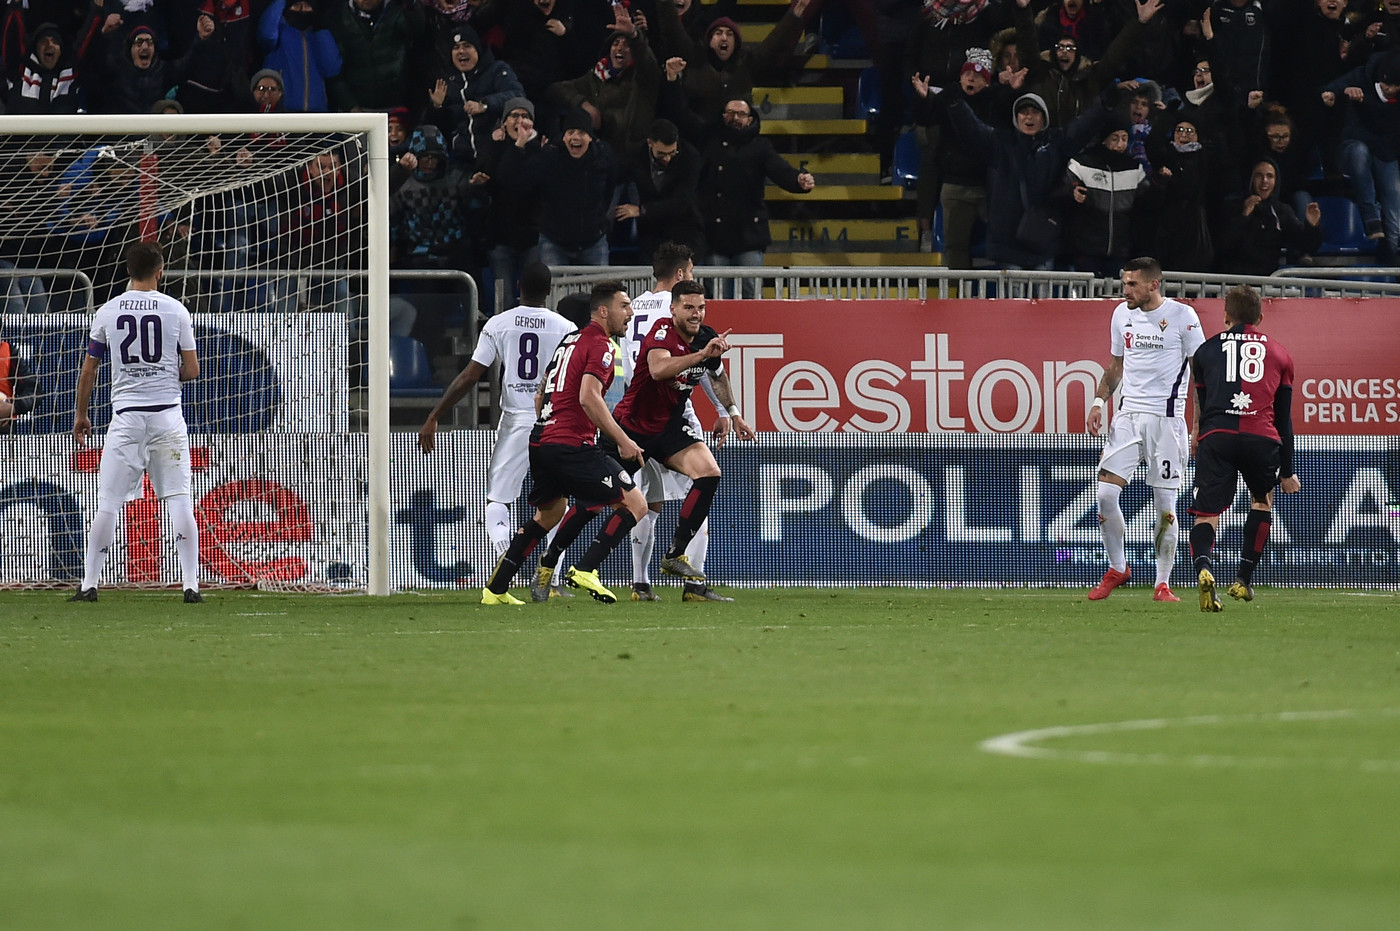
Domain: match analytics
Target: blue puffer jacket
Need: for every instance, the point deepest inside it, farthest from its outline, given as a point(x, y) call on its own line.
point(305, 59)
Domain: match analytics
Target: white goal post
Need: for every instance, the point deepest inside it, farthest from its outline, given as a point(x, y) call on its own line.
point(78, 189)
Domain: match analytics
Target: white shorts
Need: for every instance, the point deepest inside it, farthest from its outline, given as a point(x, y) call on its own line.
point(659, 483)
point(1156, 439)
point(139, 442)
point(510, 459)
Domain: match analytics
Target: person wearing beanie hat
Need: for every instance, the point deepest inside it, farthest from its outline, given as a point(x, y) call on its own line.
point(620, 91)
point(134, 77)
point(306, 57)
point(268, 90)
point(1100, 188)
point(468, 100)
point(518, 103)
point(48, 83)
point(720, 66)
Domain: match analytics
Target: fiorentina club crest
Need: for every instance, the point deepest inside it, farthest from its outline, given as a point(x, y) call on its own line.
point(1162, 324)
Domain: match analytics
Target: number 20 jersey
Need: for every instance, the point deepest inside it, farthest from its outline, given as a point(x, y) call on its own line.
point(143, 333)
point(1238, 374)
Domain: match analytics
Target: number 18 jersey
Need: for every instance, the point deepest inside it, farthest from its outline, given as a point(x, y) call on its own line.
point(143, 332)
point(1238, 375)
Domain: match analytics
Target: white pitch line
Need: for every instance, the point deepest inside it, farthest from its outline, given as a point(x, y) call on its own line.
point(1024, 744)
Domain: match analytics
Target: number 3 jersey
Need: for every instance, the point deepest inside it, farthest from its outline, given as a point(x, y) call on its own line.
point(1240, 376)
point(523, 340)
point(143, 332)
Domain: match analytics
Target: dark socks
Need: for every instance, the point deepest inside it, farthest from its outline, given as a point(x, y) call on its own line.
point(573, 524)
point(521, 545)
point(617, 527)
point(1202, 542)
point(1256, 534)
point(694, 510)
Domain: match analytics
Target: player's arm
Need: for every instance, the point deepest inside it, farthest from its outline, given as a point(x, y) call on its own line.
point(725, 394)
point(1200, 387)
point(1112, 375)
point(590, 398)
point(1283, 421)
point(455, 392)
point(189, 365)
point(87, 380)
point(664, 366)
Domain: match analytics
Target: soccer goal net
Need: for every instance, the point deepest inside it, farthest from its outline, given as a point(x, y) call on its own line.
point(273, 235)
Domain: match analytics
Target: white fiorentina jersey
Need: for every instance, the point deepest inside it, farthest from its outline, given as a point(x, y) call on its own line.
point(646, 310)
point(1156, 348)
point(142, 332)
point(523, 340)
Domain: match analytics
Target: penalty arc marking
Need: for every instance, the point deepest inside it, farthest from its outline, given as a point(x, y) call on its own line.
point(1028, 744)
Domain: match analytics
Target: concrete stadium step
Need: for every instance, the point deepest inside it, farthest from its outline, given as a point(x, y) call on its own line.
point(776, 259)
point(835, 235)
point(839, 192)
point(812, 102)
point(823, 128)
point(838, 167)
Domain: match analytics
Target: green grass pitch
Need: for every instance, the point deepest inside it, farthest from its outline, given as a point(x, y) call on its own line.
point(801, 758)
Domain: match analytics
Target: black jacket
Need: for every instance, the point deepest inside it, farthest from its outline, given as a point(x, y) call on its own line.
point(574, 193)
point(738, 163)
point(669, 200)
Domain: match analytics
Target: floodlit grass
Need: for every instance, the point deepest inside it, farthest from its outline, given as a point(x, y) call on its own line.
point(798, 759)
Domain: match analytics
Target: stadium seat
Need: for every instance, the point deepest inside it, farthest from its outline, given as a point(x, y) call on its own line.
point(869, 96)
point(1343, 232)
point(410, 372)
point(905, 166)
point(840, 36)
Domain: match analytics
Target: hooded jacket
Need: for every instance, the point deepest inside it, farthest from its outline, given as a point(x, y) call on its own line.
point(1254, 244)
point(1022, 170)
point(1101, 226)
point(491, 83)
point(737, 165)
point(306, 59)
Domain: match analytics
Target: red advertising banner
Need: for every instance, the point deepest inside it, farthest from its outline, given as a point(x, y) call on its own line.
point(986, 366)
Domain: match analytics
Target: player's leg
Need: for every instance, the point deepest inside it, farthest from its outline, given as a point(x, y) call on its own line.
point(522, 544)
point(1114, 528)
point(698, 462)
point(1258, 461)
point(118, 478)
point(1203, 534)
point(643, 539)
point(510, 462)
point(575, 520)
point(180, 509)
point(584, 574)
point(1167, 450)
point(1165, 540)
point(696, 553)
point(170, 471)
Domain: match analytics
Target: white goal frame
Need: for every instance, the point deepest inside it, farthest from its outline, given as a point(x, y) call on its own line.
point(374, 127)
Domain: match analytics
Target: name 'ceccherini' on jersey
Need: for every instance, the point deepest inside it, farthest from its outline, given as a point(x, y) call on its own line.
point(523, 340)
point(1156, 348)
point(142, 332)
point(646, 310)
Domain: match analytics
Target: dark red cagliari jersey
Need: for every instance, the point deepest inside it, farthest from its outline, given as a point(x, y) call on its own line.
point(648, 405)
point(1244, 384)
point(562, 418)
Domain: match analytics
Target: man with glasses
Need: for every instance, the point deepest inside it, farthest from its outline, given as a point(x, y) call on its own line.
point(663, 175)
point(135, 77)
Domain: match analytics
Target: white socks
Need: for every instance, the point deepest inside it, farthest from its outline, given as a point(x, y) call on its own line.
point(498, 526)
point(643, 542)
point(699, 546)
point(103, 532)
point(1168, 533)
point(1113, 525)
point(182, 524)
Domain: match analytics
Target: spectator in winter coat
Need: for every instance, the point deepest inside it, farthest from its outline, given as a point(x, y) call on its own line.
point(1181, 192)
point(50, 82)
point(514, 211)
point(467, 104)
point(305, 56)
point(1025, 160)
point(1257, 227)
point(619, 93)
point(384, 47)
point(664, 172)
point(575, 180)
point(134, 77)
point(211, 70)
point(541, 45)
point(1101, 185)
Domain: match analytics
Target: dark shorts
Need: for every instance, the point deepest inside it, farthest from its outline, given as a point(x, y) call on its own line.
point(658, 447)
point(586, 473)
point(1221, 459)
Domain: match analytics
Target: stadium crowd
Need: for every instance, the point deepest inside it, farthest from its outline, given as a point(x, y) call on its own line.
point(1080, 133)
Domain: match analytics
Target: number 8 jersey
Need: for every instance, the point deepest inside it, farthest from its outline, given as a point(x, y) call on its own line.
point(143, 332)
point(1238, 376)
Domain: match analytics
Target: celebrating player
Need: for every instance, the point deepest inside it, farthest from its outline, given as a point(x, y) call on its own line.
point(523, 340)
point(1152, 339)
point(652, 412)
point(673, 263)
point(1243, 426)
point(564, 457)
point(153, 338)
